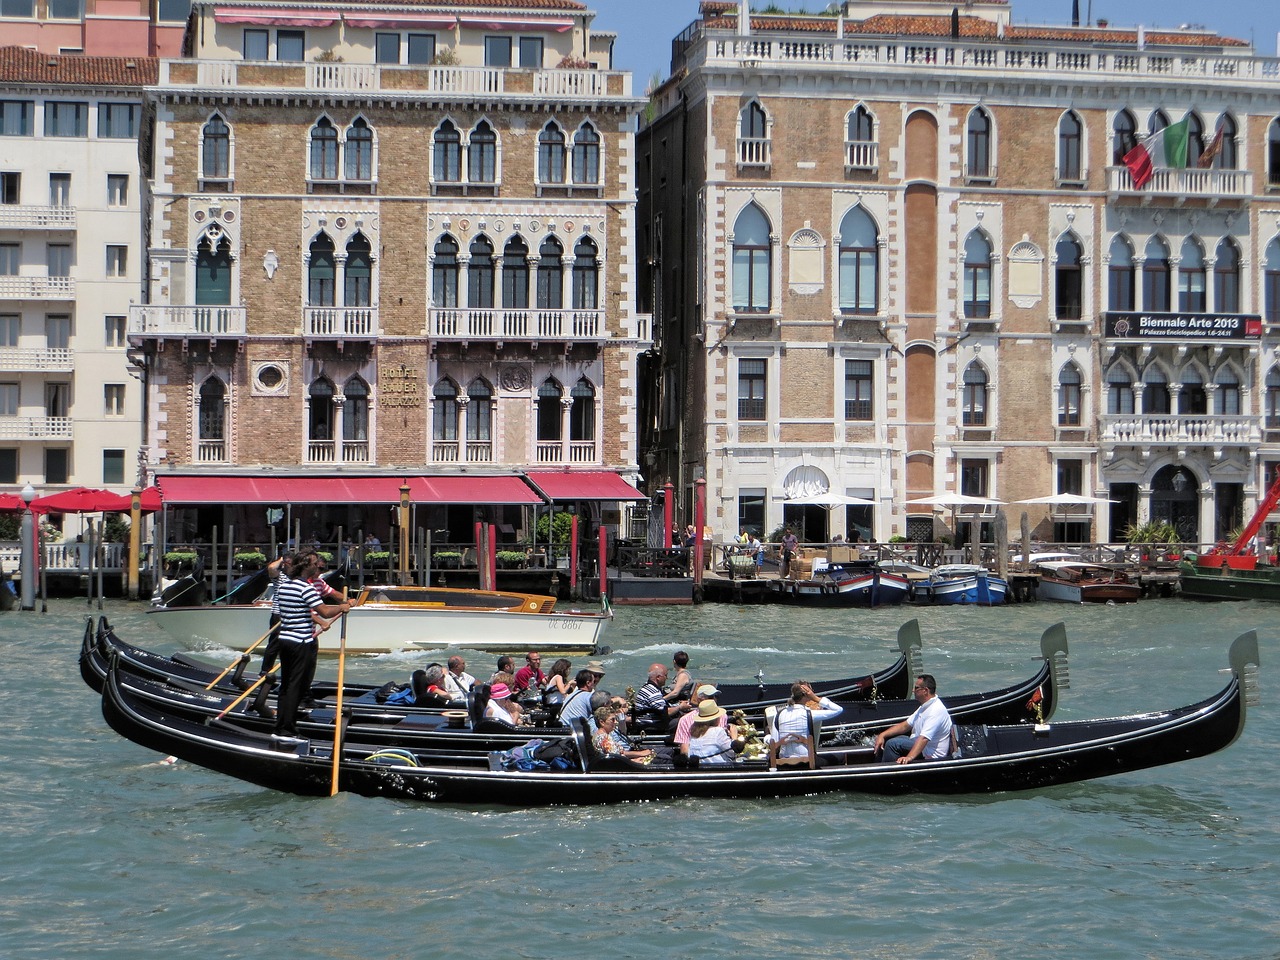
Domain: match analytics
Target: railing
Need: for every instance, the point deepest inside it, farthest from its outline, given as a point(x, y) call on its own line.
point(582, 451)
point(754, 152)
point(862, 154)
point(331, 451)
point(570, 83)
point(37, 359)
point(479, 451)
point(355, 451)
point(340, 322)
point(23, 216)
point(1190, 182)
point(444, 451)
point(644, 327)
point(211, 451)
point(187, 320)
point(37, 288)
point(1180, 428)
point(35, 428)
point(320, 451)
point(503, 324)
point(551, 451)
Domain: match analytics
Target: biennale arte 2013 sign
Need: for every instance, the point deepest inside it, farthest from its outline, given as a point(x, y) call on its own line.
point(1135, 325)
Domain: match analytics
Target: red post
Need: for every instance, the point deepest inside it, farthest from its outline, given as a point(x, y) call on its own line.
point(604, 567)
point(493, 556)
point(669, 510)
point(699, 521)
point(480, 565)
point(573, 556)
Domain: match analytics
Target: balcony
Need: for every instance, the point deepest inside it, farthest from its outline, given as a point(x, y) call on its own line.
point(576, 326)
point(211, 451)
point(37, 359)
point(340, 323)
point(35, 428)
point(342, 451)
point(24, 216)
point(1169, 429)
point(449, 451)
point(575, 451)
point(861, 155)
point(1214, 186)
point(37, 288)
point(754, 152)
point(186, 321)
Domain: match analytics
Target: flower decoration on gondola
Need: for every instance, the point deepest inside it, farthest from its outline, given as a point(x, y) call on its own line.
point(754, 748)
point(1034, 705)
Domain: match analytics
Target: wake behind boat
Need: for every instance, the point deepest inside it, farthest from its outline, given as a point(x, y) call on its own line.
point(390, 619)
point(993, 758)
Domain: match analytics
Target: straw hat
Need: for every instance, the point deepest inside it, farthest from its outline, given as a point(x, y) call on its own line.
point(709, 711)
point(596, 667)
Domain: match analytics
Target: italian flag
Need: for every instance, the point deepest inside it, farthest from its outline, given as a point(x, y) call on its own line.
point(1165, 148)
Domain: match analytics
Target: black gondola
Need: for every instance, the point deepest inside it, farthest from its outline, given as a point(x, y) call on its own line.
point(994, 758)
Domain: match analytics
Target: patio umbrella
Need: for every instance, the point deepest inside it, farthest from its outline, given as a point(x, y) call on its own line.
point(123, 503)
point(79, 500)
point(958, 500)
point(1060, 499)
point(830, 500)
point(10, 502)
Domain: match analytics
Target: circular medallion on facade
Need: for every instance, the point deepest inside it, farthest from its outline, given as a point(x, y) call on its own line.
point(198, 216)
point(463, 224)
point(229, 216)
point(340, 222)
point(514, 378)
point(568, 226)
point(534, 225)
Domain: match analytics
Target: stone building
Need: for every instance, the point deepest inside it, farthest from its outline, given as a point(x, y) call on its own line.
point(894, 253)
point(389, 239)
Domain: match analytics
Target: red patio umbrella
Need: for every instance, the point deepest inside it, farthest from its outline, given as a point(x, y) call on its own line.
point(11, 501)
point(79, 500)
point(124, 502)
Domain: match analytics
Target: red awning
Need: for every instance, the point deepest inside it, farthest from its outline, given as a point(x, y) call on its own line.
point(565, 486)
point(389, 19)
point(272, 18)
point(479, 490)
point(507, 23)
point(279, 490)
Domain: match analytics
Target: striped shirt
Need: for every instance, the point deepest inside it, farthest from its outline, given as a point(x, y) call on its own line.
point(297, 599)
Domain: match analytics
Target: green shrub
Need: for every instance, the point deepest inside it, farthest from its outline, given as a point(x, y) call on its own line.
point(180, 559)
point(250, 558)
point(115, 529)
point(510, 559)
point(375, 557)
point(559, 533)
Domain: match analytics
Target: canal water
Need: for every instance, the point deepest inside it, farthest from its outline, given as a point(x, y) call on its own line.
point(105, 852)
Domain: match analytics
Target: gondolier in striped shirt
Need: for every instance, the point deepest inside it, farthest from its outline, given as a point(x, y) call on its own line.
point(303, 616)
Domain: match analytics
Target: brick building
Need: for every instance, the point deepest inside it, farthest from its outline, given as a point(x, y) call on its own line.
point(894, 253)
point(391, 239)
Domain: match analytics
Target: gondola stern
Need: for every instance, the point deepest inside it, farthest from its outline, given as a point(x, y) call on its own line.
point(1246, 664)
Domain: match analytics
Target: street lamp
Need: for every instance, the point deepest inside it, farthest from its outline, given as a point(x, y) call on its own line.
point(27, 561)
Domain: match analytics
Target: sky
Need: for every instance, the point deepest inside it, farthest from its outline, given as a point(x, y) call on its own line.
point(646, 27)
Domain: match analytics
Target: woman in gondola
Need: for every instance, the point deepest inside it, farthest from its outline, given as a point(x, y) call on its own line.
point(559, 685)
point(710, 742)
point(609, 742)
point(502, 706)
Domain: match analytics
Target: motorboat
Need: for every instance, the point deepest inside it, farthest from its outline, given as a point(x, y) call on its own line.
point(962, 583)
point(1078, 581)
point(855, 584)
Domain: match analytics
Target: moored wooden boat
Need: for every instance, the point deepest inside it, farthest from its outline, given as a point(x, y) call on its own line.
point(993, 758)
point(962, 583)
point(1076, 581)
point(857, 584)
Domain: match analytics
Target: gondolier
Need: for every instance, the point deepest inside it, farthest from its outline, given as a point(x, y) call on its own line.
point(303, 616)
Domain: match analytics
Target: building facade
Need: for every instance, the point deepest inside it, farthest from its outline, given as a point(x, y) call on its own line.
point(70, 266)
point(895, 254)
point(392, 239)
point(96, 28)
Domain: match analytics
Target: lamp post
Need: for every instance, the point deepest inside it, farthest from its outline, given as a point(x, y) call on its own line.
point(27, 562)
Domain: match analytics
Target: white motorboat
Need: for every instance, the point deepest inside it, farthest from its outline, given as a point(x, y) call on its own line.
point(391, 619)
point(1077, 581)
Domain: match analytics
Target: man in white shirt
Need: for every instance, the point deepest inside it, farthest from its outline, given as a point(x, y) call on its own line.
point(927, 732)
point(456, 679)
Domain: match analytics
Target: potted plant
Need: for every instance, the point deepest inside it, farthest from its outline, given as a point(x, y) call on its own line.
point(250, 560)
point(510, 559)
point(377, 558)
point(446, 559)
point(177, 562)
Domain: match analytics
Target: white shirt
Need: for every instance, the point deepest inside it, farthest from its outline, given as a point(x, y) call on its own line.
point(932, 722)
point(458, 686)
point(794, 718)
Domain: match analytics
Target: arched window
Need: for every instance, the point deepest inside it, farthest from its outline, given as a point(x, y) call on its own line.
point(1155, 391)
point(1068, 280)
point(1157, 121)
point(977, 276)
point(359, 152)
point(321, 273)
point(1192, 398)
point(1228, 157)
point(213, 272)
point(550, 293)
point(480, 274)
point(1226, 399)
point(1191, 278)
point(978, 141)
point(1124, 136)
point(752, 262)
point(1155, 277)
point(753, 124)
point(212, 419)
point(321, 414)
point(1070, 147)
point(480, 412)
point(1273, 153)
point(444, 273)
point(582, 411)
point(551, 154)
point(973, 405)
point(860, 139)
point(1271, 282)
point(1120, 398)
point(358, 276)
point(1195, 139)
point(355, 412)
point(586, 155)
point(549, 423)
point(861, 126)
point(859, 263)
point(216, 159)
point(515, 275)
point(1226, 277)
point(1120, 275)
point(482, 154)
point(444, 419)
point(324, 150)
point(1069, 381)
point(446, 163)
point(1273, 399)
point(586, 270)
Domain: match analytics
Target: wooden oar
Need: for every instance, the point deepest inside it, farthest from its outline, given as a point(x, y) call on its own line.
point(256, 684)
point(218, 679)
point(337, 713)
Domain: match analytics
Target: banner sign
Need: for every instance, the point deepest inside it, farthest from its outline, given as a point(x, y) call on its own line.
point(1134, 325)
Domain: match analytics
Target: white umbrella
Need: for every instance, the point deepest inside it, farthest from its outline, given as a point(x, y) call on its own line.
point(1059, 499)
point(830, 499)
point(958, 500)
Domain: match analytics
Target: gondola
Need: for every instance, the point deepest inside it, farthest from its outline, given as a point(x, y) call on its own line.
point(98, 646)
point(1032, 700)
point(993, 758)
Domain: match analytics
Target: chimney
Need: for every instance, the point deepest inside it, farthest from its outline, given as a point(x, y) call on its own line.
point(955, 23)
point(1075, 13)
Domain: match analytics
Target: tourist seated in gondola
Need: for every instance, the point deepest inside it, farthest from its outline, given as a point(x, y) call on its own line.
point(927, 733)
point(703, 691)
point(711, 739)
point(651, 712)
point(502, 706)
point(609, 742)
point(559, 686)
point(796, 717)
point(577, 705)
point(530, 677)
